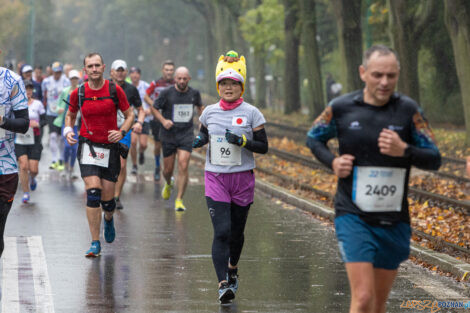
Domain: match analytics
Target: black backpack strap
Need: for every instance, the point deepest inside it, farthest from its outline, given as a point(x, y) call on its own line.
point(113, 94)
point(81, 95)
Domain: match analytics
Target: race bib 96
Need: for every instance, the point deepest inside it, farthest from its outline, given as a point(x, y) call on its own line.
point(224, 153)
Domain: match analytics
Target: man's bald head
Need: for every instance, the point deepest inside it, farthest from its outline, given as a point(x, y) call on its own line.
point(182, 78)
point(182, 70)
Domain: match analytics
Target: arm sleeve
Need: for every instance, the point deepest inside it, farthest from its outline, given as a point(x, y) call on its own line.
point(42, 120)
point(259, 144)
point(204, 134)
point(18, 124)
point(323, 129)
point(423, 151)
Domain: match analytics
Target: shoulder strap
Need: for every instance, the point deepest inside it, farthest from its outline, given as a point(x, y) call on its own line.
point(81, 95)
point(113, 93)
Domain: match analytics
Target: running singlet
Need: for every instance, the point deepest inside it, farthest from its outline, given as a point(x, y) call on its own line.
point(35, 110)
point(54, 88)
point(222, 157)
point(178, 107)
point(9, 82)
point(99, 115)
point(377, 187)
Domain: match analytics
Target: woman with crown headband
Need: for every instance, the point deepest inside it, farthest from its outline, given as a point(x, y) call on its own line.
point(234, 130)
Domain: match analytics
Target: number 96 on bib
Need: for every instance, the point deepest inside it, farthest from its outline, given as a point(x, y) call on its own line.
point(378, 189)
point(224, 153)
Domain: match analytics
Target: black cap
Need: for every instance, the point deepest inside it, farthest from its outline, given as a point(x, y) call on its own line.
point(28, 83)
point(134, 69)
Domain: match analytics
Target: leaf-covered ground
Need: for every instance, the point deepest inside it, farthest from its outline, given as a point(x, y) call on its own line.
point(449, 224)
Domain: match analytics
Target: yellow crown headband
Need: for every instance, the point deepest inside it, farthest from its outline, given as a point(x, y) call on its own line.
point(232, 67)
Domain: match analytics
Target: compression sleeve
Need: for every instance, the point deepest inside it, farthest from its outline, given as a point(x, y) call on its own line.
point(19, 124)
point(42, 120)
point(204, 134)
point(323, 129)
point(423, 151)
point(259, 143)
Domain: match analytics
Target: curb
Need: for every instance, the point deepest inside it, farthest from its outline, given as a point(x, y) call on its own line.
point(445, 262)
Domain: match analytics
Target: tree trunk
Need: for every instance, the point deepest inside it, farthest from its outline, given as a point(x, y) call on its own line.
point(260, 82)
point(406, 28)
point(348, 19)
point(312, 58)
point(291, 69)
point(457, 18)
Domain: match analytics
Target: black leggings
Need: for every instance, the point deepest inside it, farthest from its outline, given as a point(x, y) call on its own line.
point(228, 220)
point(4, 210)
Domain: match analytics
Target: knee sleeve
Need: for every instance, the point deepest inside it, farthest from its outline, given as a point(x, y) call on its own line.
point(93, 197)
point(108, 206)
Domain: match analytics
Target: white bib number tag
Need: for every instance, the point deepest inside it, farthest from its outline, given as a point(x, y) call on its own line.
point(25, 139)
point(182, 113)
point(378, 189)
point(224, 153)
point(2, 114)
point(102, 156)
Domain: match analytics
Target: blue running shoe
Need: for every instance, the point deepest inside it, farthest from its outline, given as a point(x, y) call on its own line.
point(26, 197)
point(225, 293)
point(232, 278)
point(33, 184)
point(94, 250)
point(109, 232)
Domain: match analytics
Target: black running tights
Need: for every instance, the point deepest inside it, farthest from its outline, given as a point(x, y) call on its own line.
point(4, 210)
point(228, 221)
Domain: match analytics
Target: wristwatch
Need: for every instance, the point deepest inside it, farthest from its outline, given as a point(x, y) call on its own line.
point(123, 133)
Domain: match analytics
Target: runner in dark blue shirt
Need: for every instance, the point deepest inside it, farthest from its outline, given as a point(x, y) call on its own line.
point(381, 134)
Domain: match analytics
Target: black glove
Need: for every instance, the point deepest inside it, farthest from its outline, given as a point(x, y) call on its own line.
point(232, 138)
point(198, 142)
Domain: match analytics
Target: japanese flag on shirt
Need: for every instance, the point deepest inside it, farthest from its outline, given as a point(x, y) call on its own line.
point(239, 121)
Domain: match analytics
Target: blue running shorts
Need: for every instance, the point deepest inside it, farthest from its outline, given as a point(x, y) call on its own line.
point(384, 247)
point(127, 139)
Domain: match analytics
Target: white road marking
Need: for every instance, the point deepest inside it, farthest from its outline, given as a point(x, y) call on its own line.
point(42, 286)
point(10, 293)
point(37, 264)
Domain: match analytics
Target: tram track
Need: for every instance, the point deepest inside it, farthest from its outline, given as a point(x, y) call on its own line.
point(299, 134)
point(415, 193)
point(438, 243)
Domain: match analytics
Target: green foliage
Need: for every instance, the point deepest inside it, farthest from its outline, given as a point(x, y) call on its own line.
point(263, 27)
point(13, 27)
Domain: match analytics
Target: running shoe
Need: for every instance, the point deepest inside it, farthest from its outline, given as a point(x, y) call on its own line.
point(225, 293)
point(32, 183)
point(232, 278)
point(94, 250)
point(119, 205)
point(179, 206)
point(156, 175)
point(25, 197)
point(53, 165)
point(141, 158)
point(60, 166)
point(109, 232)
point(166, 191)
point(134, 170)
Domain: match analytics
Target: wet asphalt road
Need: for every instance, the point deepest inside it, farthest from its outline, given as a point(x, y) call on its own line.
point(161, 262)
